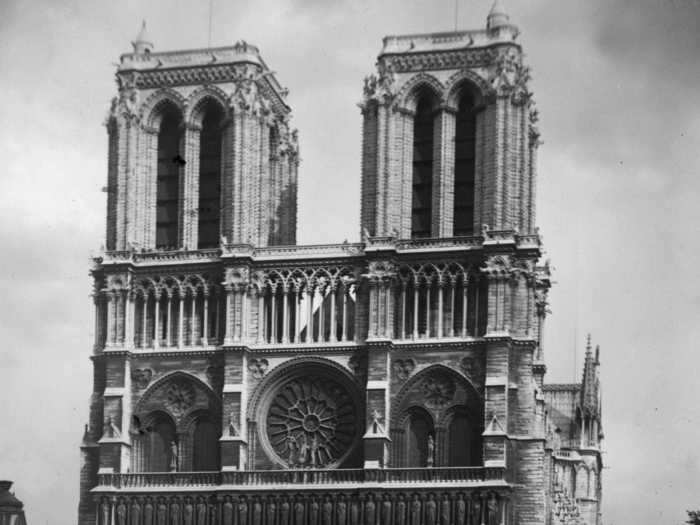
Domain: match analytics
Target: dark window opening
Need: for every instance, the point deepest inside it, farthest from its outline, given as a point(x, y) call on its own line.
point(465, 147)
point(421, 205)
point(209, 181)
point(168, 191)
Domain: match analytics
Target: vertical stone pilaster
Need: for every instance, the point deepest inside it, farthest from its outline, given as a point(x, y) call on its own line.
point(234, 425)
point(190, 199)
point(376, 438)
point(443, 173)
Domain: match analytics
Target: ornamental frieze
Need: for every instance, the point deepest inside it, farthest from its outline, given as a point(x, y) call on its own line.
point(442, 60)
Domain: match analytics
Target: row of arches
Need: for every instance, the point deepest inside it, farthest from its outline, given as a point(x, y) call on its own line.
point(177, 424)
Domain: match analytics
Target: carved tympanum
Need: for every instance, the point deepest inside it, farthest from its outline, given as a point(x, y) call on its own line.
point(311, 422)
point(179, 396)
point(438, 389)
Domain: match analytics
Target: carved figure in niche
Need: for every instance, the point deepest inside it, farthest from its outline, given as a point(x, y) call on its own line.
point(257, 512)
point(173, 457)
point(415, 510)
point(284, 513)
point(438, 390)
point(232, 427)
point(174, 513)
point(354, 512)
point(370, 509)
point(431, 451)
point(271, 510)
point(445, 510)
point(430, 511)
point(135, 512)
point(179, 396)
point(299, 511)
point(313, 512)
point(105, 510)
point(460, 511)
point(121, 513)
point(111, 430)
point(188, 513)
point(228, 511)
point(403, 368)
point(201, 512)
point(147, 513)
point(401, 511)
point(492, 510)
point(162, 512)
point(476, 508)
point(327, 511)
point(341, 509)
point(242, 511)
point(386, 509)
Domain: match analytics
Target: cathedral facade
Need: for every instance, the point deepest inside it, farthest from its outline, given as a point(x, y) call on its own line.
point(242, 379)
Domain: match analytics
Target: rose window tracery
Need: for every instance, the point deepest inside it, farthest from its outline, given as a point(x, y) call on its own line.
point(179, 396)
point(311, 422)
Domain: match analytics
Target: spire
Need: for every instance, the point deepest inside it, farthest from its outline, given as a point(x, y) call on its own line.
point(589, 388)
point(497, 16)
point(143, 43)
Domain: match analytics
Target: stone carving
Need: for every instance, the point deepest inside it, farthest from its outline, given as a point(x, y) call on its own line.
point(141, 377)
point(311, 422)
point(509, 77)
point(381, 85)
point(179, 396)
point(471, 367)
point(358, 365)
point(431, 451)
point(438, 390)
point(403, 368)
point(258, 367)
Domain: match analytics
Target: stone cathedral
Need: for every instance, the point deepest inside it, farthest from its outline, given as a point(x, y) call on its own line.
point(241, 379)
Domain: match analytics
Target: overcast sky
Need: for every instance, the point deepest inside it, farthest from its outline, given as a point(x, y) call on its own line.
point(617, 84)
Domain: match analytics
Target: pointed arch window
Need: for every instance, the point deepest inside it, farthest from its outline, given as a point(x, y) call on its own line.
point(170, 164)
point(421, 204)
point(420, 430)
point(209, 207)
point(465, 148)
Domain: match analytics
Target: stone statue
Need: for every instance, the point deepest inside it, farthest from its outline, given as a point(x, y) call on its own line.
point(431, 450)
point(415, 510)
point(430, 511)
point(173, 456)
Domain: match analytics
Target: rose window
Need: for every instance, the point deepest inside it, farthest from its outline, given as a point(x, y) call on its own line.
point(311, 422)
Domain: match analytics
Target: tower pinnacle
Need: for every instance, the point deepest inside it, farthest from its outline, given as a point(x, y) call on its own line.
point(142, 43)
point(497, 16)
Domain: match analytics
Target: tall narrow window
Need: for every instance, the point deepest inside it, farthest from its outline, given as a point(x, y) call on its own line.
point(419, 432)
point(460, 445)
point(421, 206)
point(169, 167)
point(209, 180)
point(465, 141)
point(206, 446)
point(160, 441)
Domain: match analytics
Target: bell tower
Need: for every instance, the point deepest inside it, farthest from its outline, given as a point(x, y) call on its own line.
point(448, 140)
point(200, 151)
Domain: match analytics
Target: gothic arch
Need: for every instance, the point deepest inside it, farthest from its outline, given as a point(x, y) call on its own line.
point(153, 107)
point(198, 101)
point(188, 405)
point(466, 79)
point(408, 95)
point(412, 383)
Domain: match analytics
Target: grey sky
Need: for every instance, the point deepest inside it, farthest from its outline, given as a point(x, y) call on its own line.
point(617, 86)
